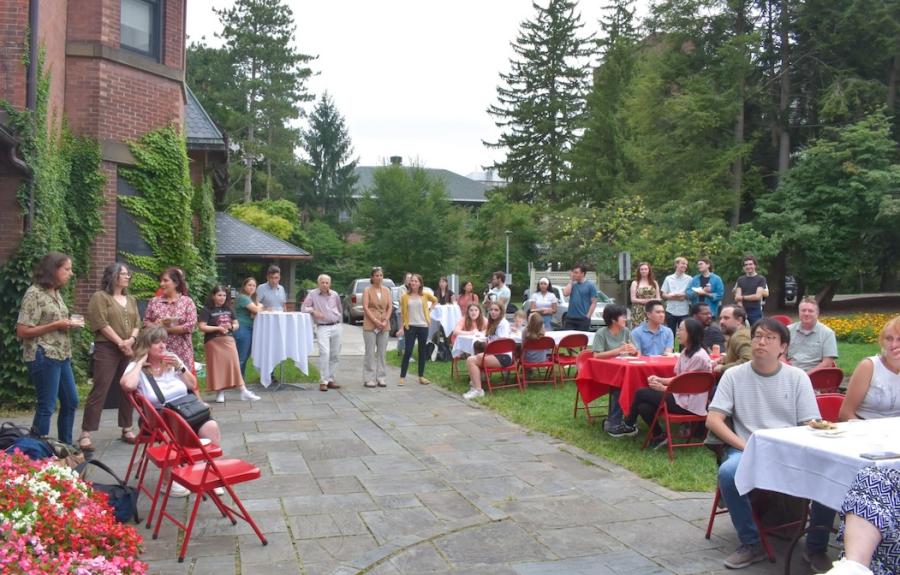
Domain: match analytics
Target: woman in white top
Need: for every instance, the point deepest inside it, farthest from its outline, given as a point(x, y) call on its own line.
point(544, 302)
point(498, 327)
point(171, 375)
point(874, 389)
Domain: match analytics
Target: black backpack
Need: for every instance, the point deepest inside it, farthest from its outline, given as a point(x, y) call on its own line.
point(10, 433)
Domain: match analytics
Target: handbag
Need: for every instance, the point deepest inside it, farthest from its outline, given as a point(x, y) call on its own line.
point(122, 497)
point(189, 406)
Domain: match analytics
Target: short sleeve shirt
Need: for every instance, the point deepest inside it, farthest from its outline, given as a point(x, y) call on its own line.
point(755, 401)
point(271, 298)
point(217, 316)
point(605, 340)
point(542, 301)
point(580, 299)
point(41, 306)
point(497, 294)
point(241, 312)
point(749, 285)
point(675, 284)
point(809, 348)
point(650, 342)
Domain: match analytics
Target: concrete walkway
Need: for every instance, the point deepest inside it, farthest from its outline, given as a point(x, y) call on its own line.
point(411, 480)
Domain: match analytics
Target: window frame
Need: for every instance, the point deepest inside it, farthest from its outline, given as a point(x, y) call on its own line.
point(156, 32)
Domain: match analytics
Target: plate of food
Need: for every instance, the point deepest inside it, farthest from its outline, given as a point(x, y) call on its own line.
point(822, 425)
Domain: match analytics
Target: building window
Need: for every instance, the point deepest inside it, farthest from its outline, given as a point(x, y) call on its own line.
point(141, 26)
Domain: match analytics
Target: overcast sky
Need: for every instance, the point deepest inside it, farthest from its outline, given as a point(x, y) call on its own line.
point(411, 77)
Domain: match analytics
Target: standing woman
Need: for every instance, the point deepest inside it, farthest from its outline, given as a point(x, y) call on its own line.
point(245, 310)
point(223, 368)
point(174, 310)
point(544, 302)
point(43, 325)
point(415, 315)
point(497, 327)
point(378, 306)
point(113, 316)
point(467, 296)
point(643, 289)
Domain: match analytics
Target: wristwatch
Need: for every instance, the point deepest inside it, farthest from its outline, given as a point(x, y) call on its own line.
point(182, 369)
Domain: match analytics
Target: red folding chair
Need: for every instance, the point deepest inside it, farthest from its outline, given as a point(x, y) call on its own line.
point(566, 354)
point(688, 382)
point(783, 319)
point(546, 369)
point(826, 379)
point(579, 362)
point(142, 440)
point(830, 405)
point(201, 475)
point(497, 347)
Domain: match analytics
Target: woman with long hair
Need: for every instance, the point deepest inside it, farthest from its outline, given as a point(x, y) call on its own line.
point(544, 302)
point(378, 306)
point(644, 288)
point(223, 367)
point(534, 330)
point(497, 327)
point(646, 400)
point(245, 310)
point(467, 296)
point(174, 310)
point(415, 314)
point(43, 326)
point(113, 316)
point(444, 294)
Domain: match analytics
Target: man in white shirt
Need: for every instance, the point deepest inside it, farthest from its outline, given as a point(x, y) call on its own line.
point(674, 293)
point(813, 344)
point(499, 292)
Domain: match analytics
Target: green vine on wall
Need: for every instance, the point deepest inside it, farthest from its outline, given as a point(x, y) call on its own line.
point(68, 198)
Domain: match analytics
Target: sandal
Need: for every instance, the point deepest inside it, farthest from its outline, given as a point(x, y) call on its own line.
point(84, 443)
point(128, 436)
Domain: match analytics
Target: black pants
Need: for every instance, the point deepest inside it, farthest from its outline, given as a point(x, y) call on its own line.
point(646, 402)
point(673, 321)
point(577, 323)
point(414, 334)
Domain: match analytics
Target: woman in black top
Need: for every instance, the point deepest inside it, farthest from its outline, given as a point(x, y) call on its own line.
point(223, 368)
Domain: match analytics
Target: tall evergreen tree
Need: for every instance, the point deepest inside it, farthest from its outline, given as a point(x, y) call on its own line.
point(540, 102)
point(332, 175)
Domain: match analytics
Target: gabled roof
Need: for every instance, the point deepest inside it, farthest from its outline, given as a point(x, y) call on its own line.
point(200, 131)
point(460, 188)
point(235, 238)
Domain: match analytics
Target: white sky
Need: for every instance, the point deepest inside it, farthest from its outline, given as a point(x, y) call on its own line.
point(411, 77)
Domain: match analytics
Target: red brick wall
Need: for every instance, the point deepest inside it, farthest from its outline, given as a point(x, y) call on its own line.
point(10, 217)
point(103, 252)
point(173, 30)
point(94, 21)
point(52, 38)
point(13, 21)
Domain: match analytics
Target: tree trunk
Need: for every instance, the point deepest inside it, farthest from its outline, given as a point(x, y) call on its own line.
point(248, 165)
point(269, 165)
point(775, 278)
point(784, 101)
point(825, 296)
point(737, 169)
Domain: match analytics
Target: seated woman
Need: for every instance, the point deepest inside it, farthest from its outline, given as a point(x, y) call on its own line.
point(610, 341)
point(474, 323)
point(171, 375)
point(497, 327)
point(873, 393)
point(871, 524)
point(646, 401)
point(533, 332)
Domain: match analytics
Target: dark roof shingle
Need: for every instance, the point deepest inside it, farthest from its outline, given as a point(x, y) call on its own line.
point(236, 238)
point(200, 131)
point(459, 188)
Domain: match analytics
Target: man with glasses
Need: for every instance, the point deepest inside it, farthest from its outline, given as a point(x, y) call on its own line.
point(762, 394)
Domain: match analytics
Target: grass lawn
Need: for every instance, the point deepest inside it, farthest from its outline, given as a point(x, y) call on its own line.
point(544, 409)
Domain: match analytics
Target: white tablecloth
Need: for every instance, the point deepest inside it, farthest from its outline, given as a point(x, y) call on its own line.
point(806, 463)
point(466, 343)
point(444, 316)
point(558, 335)
point(278, 336)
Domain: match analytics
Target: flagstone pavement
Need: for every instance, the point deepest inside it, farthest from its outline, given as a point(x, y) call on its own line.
point(412, 480)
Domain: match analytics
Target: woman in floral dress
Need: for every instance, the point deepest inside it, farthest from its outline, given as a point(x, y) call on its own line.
point(643, 289)
point(174, 310)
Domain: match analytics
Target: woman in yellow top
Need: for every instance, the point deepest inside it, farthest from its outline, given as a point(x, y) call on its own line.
point(415, 315)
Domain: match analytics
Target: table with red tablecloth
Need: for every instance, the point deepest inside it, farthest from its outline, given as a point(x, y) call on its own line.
point(597, 376)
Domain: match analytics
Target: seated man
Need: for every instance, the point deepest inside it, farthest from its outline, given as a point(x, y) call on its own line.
point(813, 344)
point(653, 337)
point(712, 335)
point(762, 394)
point(738, 348)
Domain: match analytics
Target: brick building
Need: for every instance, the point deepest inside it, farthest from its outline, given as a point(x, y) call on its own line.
point(117, 72)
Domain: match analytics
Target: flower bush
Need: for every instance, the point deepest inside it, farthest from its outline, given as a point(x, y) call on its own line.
point(53, 522)
point(857, 328)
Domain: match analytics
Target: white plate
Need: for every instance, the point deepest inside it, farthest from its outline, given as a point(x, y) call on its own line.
point(832, 433)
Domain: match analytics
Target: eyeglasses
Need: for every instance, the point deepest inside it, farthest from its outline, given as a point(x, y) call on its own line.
point(768, 338)
point(124, 275)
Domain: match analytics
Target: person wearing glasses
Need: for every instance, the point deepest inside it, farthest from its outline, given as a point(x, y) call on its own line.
point(113, 316)
point(764, 393)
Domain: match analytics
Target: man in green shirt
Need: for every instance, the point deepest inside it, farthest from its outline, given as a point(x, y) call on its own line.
point(611, 341)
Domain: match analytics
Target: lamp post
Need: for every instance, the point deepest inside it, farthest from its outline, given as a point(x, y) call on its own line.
point(508, 233)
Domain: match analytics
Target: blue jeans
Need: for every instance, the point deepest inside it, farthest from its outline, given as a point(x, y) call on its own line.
point(243, 339)
point(738, 505)
point(817, 539)
point(754, 315)
point(614, 419)
point(52, 379)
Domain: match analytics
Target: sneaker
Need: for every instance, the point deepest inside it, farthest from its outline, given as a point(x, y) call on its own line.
point(623, 430)
point(178, 490)
point(247, 395)
point(818, 561)
point(369, 384)
point(745, 556)
point(220, 397)
point(219, 491)
point(473, 393)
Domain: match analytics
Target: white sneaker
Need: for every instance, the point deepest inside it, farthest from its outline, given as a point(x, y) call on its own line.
point(247, 395)
point(219, 491)
point(220, 397)
point(178, 490)
point(473, 393)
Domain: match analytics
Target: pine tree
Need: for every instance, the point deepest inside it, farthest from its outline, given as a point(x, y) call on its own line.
point(330, 150)
point(540, 102)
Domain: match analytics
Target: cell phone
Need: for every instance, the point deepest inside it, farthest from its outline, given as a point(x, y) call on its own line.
point(877, 455)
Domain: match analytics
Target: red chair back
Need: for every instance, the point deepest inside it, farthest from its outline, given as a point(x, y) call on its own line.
point(545, 369)
point(830, 405)
point(500, 345)
point(783, 319)
point(544, 343)
point(573, 344)
point(503, 345)
point(692, 382)
point(689, 382)
point(826, 379)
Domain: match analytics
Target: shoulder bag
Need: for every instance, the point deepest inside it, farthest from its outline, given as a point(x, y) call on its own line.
point(189, 407)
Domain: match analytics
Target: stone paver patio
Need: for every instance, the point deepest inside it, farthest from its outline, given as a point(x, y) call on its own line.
point(411, 480)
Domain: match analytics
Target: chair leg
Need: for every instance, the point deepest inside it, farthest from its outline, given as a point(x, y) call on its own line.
point(714, 512)
point(189, 528)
